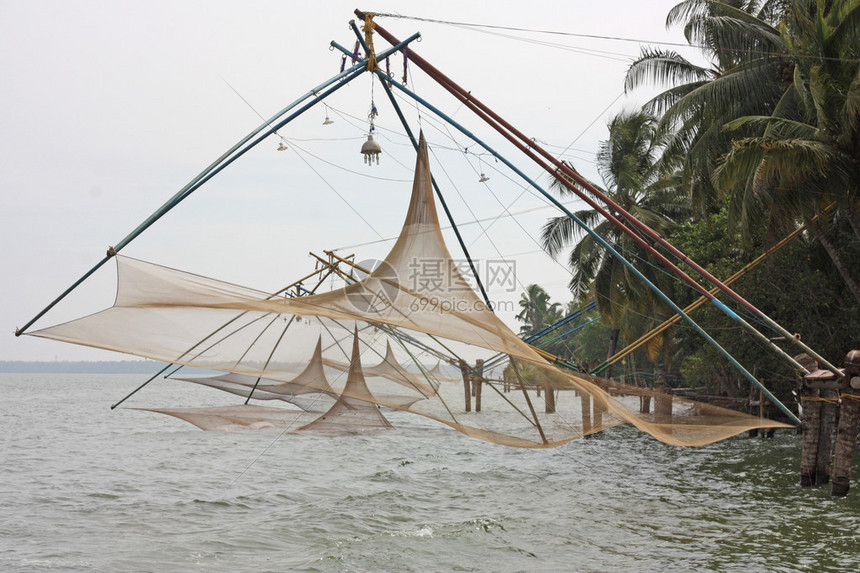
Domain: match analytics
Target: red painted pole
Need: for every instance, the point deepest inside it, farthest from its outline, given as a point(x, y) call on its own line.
point(526, 144)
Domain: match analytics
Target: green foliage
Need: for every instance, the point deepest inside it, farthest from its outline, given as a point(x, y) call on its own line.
point(627, 164)
point(797, 287)
point(536, 311)
point(762, 138)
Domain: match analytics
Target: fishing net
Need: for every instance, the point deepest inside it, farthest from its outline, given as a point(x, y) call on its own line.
point(412, 308)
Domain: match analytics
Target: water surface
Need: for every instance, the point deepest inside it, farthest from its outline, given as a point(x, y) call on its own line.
point(84, 488)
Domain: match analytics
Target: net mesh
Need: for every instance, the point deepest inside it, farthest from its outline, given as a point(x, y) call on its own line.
point(313, 346)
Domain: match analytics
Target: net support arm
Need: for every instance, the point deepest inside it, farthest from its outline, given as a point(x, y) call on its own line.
point(527, 145)
point(702, 300)
point(236, 151)
point(609, 249)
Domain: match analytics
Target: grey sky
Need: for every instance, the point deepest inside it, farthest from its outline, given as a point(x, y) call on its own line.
point(109, 108)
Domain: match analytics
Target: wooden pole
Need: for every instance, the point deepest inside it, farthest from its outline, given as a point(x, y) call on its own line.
point(550, 399)
point(809, 445)
point(849, 420)
point(467, 376)
point(478, 383)
point(585, 404)
point(752, 433)
point(810, 424)
point(663, 401)
point(826, 434)
point(597, 413)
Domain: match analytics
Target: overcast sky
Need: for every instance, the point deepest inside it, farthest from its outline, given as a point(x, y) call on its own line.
point(108, 108)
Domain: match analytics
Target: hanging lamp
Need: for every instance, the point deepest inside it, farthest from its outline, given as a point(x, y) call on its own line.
point(371, 150)
point(483, 178)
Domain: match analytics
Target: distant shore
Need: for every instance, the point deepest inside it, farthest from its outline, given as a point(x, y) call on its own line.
point(81, 367)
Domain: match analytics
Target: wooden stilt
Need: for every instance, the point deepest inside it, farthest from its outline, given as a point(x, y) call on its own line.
point(467, 378)
point(662, 402)
point(811, 419)
point(585, 402)
point(478, 383)
point(550, 399)
point(810, 424)
point(750, 404)
point(849, 420)
point(597, 414)
point(826, 433)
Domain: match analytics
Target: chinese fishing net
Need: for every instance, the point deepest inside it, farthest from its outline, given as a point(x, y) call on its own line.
point(349, 351)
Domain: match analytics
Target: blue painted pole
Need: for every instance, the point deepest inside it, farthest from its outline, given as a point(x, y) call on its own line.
point(571, 331)
point(215, 167)
point(559, 323)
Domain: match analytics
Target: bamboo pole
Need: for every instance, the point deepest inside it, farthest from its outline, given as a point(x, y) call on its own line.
point(631, 268)
point(656, 331)
point(563, 172)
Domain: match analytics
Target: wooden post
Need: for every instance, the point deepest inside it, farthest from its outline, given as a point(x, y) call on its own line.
point(585, 404)
point(826, 432)
point(662, 403)
point(478, 383)
point(810, 423)
point(849, 420)
point(467, 377)
point(550, 399)
point(750, 403)
point(597, 413)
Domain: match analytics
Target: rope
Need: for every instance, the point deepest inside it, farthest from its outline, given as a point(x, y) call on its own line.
point(817, 399)
point(372, 64)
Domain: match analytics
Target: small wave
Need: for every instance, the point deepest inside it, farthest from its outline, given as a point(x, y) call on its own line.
point(425, 531)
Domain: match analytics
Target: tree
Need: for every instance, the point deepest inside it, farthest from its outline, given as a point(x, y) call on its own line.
point(797, 287)
point(771, 124)
point(627, 163)
point(537, 312)
point(742, 45)
point(804, 154)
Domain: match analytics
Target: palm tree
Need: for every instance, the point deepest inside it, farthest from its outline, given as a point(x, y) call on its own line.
point(537, 312)
point(804, 154)
point(775, 114)
point(740, 40)
point(627, 163)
